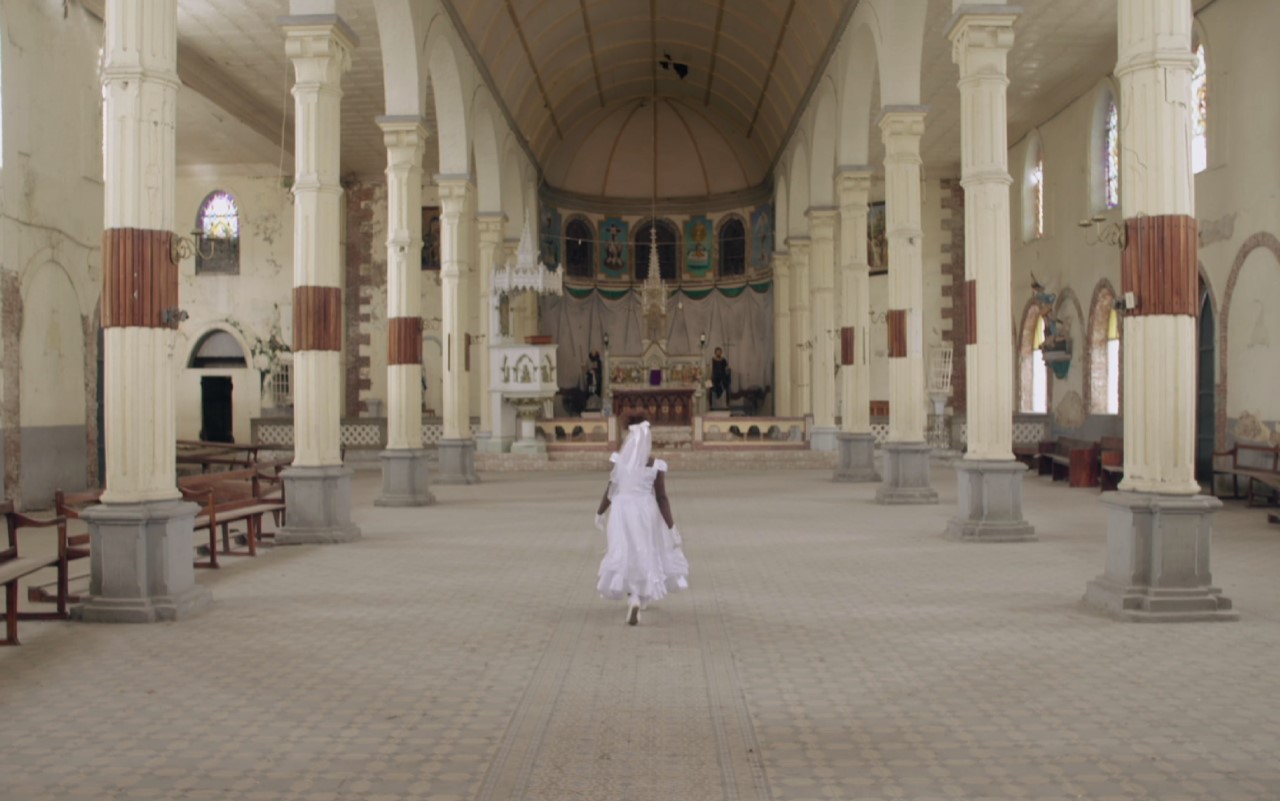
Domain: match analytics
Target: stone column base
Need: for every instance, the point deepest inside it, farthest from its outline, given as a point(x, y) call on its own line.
point(823, 439)
point(404, 479)
point(534, 446)
point(457, 462)
point(856, 458)
point(990, 500)
point(141, 563)
point(906, 474)
point(1158, 560)
point(319, 506)
point(493, 443)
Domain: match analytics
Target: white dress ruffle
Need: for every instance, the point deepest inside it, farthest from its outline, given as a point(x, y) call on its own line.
point(644, 557)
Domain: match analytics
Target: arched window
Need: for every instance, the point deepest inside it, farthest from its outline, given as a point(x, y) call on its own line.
point(1033, 390)
point(218, 234)
point(1113, 363)
point(668, 250)
point(579, 248)
point(733, 247)
point(1199, 110)
point(1033, 191)
point(217, 349)
point(1111, 155)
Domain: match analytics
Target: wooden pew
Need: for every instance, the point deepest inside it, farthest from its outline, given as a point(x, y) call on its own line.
point(1257, 464)
point(68, 505)
point(233, 496)
point(1075, 460)
point(1110, 463)
point(14, 567)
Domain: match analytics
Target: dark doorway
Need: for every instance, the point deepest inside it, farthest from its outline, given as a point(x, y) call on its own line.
point(215, 409)
point(1206, 373)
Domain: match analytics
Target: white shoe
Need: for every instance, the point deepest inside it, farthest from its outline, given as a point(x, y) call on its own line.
point(633, 614)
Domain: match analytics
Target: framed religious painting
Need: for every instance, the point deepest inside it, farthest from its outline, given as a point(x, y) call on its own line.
point(761, 237)
point(549, 237)
point(698, 245)
point(614, 253)
point(431, 237)
point(877, 239)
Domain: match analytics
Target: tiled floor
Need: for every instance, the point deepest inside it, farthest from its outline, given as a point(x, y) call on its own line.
point(829, 649)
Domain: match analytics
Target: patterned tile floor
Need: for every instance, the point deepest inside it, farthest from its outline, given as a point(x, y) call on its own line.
point(829, 649)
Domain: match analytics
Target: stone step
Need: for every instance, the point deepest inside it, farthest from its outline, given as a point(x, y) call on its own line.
point(678, 459)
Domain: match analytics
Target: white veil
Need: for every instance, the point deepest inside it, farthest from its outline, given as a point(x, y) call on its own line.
point(635, 451)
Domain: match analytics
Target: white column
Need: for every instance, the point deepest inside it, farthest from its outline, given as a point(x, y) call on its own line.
point(980, 45)
point(405, 140)
point(902, 128)
point(801, 326)
point(454, 227)
point(1159, 344)
point(491, 225)
point(140, 88)
point(855, 305)
point(988, 480)
point(320, 49)
point(318, 486)
point(141, 535)
point(783, 349)
point(822, 269)
point(404, 462)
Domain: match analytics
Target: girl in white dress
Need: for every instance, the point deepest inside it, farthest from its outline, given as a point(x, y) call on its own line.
point(644, 561)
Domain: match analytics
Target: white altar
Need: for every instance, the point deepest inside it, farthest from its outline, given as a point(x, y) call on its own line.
point(522, 379)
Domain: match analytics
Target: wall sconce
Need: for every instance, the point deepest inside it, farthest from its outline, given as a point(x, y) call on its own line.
point(172, 317)
point(1113, 234)
point(182, 248)
point(702, 340)
point(606, 341)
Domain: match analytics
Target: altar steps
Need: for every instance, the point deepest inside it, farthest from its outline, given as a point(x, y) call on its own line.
point(679, 459)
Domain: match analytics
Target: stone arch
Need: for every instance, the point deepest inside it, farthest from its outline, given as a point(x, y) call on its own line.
point(798, 200)
point(513, 200)
point(900, 49)
point(450, 101)
point(1261, 240)
point(1096, 363)
point(488, 168)
point(822, 165)
point(858, 72)
point(781, 209)
point(403, 81)
point(51, 390)
point(195, 342)
point(1026, 331)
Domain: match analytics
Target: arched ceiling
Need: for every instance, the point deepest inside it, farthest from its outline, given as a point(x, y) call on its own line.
point(743, 68)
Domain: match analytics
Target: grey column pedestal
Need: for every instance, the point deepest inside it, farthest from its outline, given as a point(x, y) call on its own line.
point(319, 506)
point(906, 474)
point(404, 479)
point(141, 563)
point(493, 443)
point(457, 462)
point(990, 500)
point(856, 455)
point(824, 439)
point(1158, 560)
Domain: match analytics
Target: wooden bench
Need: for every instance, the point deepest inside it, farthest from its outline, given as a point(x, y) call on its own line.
point(232, 496)
point(68, 506)
point(1110, 463)
point(1257, 464)
point(14, 567)
point(1074, 460)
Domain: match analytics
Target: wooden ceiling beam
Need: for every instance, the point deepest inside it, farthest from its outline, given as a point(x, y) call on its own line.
point(591, 47)
point(533, 65)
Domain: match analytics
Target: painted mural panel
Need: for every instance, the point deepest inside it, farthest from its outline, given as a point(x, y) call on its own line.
point(761, 237)
point(614, 253)
point(431, 237)
point(549, 236)
point(698, 245)
point(877, 239)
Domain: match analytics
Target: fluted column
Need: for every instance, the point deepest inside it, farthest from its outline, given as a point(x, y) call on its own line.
point(141, 569)
point(404, 463)
point(457, 448)
point(318, 486)
point(989, 480)
point(1161, 529)
point(906, 454)
point(783, 349)
point(491, 226)
point(801, 326)
point(856, 443)
point(822, 294)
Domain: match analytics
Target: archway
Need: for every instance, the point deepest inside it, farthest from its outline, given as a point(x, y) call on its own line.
point(1206, 387)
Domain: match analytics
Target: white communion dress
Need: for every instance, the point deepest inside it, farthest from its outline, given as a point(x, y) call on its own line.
point(644, 558)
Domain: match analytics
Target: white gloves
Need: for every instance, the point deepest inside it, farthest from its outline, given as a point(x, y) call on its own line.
point(600, 521)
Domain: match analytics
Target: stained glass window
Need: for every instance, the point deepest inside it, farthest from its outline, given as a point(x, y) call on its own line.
point(218, 223)
point(1111, 156)
point(1037, 193)
point(1199, 111)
